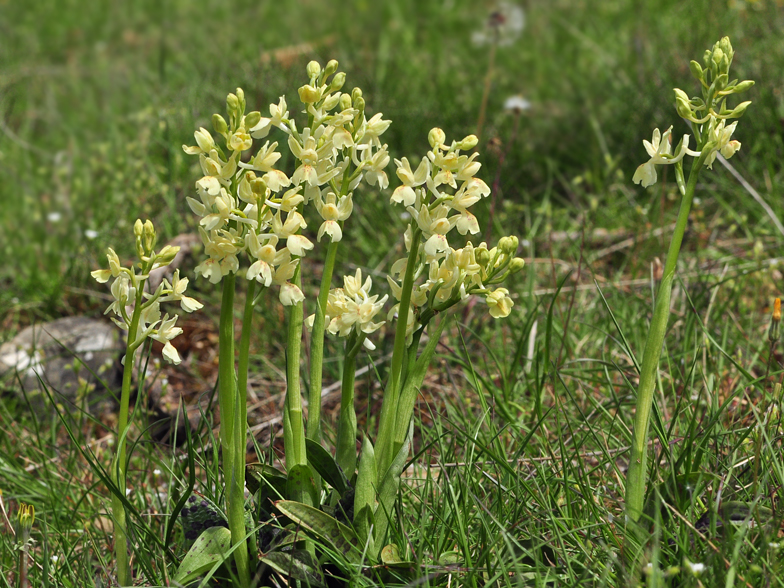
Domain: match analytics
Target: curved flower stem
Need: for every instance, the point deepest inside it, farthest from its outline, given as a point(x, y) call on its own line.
point(230, 431)
point(317, 346)
point(636, 477)
point(386, 426)
point(124, 575)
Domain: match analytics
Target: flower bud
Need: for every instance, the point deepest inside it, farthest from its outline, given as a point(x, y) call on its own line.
point(738, 111)
point(726, 47)
point(219, 124)
point(337, 82)
point(359, 104)
point(25, 517)
point(149, 236)
point(252, 119)
point(743, 86)
point(683, 107)
point(166, 255)
point(308, 94)
point(721, 82)
point(482, 255)
point(436, 137)
point(241, 96)
point(356, 93)
point(258, 186)
point(724, 64)
point(138, 228)
point(345, 101)
point(314, 69)
point(232, 103)
point(773, 333)
point(331, 67)
point(516, 265)
point(468, 142)
point(508, 245)
point(696, 69)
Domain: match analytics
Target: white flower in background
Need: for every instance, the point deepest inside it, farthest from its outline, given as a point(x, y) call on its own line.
point(516, 104)
point(695, 568)
point(503, 26)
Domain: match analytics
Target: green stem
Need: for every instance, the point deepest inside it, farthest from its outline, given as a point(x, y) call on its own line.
point(317, 346)
point(294, 429)
point(242, 366)
point(346, 445)
point(388, 415)
point(229, 431)
point(124, 575)
point(636, 476)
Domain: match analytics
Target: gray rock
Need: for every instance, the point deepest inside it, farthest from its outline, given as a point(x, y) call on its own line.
point(60, 353)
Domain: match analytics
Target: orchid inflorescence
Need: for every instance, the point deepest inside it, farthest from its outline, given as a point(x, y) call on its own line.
point(335, 152)
point(128, 283)
point(708, 116)
point(437, 196)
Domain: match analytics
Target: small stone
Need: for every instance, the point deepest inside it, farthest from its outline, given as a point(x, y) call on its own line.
point(60, 353)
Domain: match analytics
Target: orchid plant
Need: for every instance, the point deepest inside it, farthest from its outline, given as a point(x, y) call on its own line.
point(248, 206)
point(137, 311)
point(708, 115)
point(252, 217)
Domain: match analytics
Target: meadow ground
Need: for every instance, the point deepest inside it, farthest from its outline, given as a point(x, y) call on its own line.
point(519, 465)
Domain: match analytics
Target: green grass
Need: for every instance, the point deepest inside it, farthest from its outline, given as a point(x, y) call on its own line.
point(519, 466)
